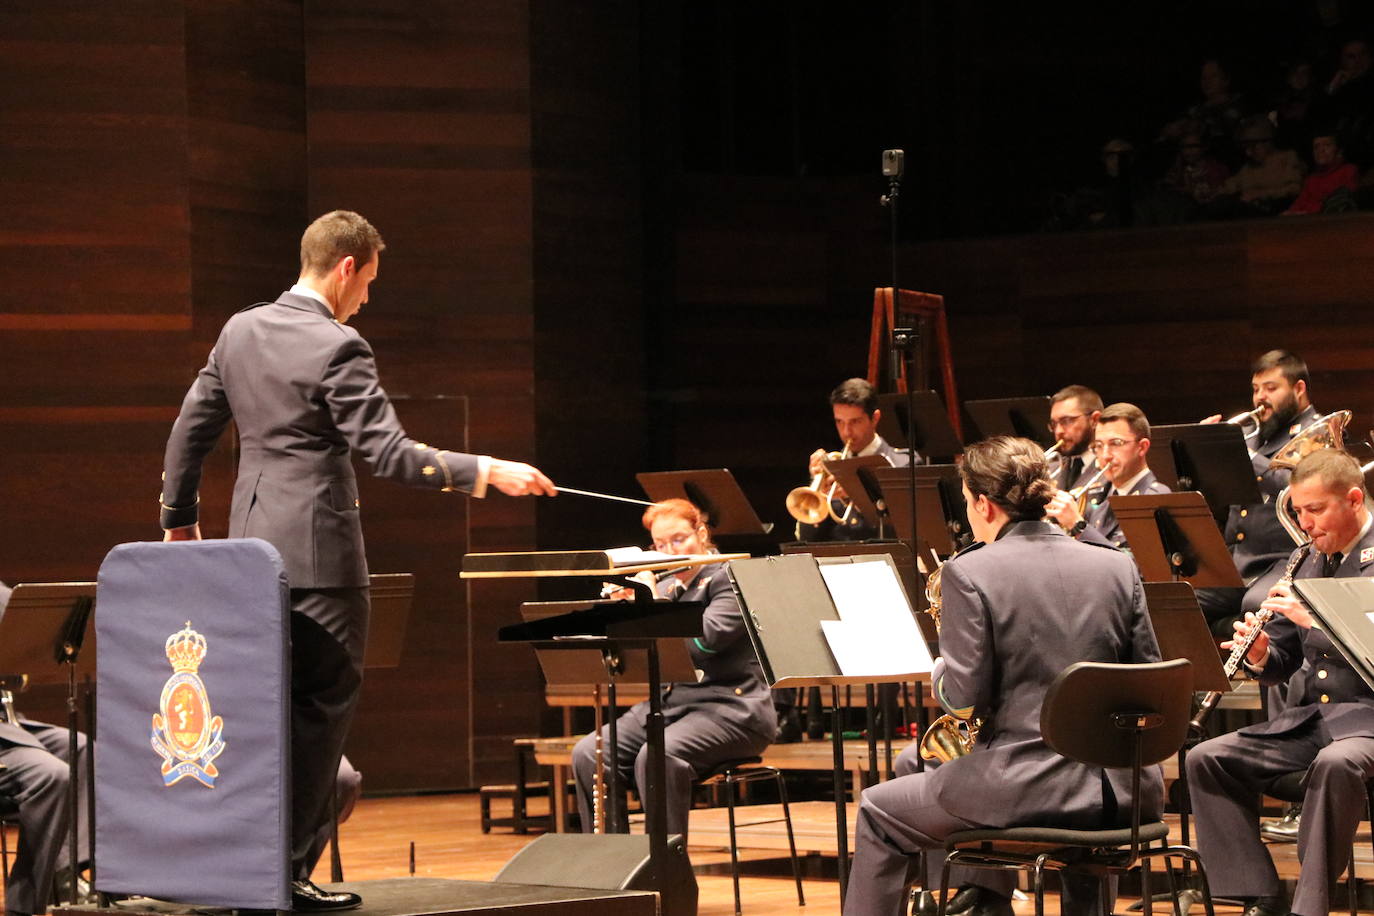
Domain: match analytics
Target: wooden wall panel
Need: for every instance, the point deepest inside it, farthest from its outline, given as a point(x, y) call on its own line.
point(418, 118)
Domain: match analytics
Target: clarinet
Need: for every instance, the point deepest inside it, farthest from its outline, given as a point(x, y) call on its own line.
point(1241, 647)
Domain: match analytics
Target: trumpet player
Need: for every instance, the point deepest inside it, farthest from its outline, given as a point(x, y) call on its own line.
point(1120, 447)
point(1279, 393)
point(1074, 413)
point(1017, 609)
point(854, 406)
point(1326, 729)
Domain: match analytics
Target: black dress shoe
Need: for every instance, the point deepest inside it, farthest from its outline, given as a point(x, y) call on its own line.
point(1267, 906)
point(972, 900)
point(963, 899)
point(306, 897)
point(1285, 829)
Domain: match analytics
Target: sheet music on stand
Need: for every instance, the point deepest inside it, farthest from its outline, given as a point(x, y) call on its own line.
point(1344, 609)
point(1174, 536)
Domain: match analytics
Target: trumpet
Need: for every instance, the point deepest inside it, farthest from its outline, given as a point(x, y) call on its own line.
point(1246, 418)
point(1053, 450)
point(809, 505)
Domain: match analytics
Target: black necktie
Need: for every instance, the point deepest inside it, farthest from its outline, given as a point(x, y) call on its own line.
point(1072, 468)
point(1331, 564)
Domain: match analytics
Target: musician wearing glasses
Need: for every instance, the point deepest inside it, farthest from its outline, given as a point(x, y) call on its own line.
point(1279, 393)
point(725, 715)
point(1121, 444)
point(1017, 610)
point(1326, 731)
point(1074, 412)
point(854, 407)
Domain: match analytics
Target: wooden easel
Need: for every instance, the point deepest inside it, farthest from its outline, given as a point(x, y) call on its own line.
point(915, 306)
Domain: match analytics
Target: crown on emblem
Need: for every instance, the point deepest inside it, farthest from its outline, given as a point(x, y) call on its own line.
point(185, 649)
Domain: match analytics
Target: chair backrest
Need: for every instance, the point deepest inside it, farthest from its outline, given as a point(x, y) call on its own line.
point(1080, 715)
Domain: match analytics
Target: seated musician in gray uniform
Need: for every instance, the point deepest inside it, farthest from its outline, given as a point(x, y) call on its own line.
point(854, 406)
point(1074, 412)
point(1018, 608)
point(726, 715)
point(36, 775)
point(1326, 731)
point(1120, 445)
point(1279, 390)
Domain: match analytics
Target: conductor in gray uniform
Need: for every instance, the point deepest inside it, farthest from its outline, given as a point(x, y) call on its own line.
point(36, 775)
point(1326, 731)
point(726, 715)
point(302, 388)
point(1017, 610)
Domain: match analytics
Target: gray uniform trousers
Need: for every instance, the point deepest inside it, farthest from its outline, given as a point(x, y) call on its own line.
point(38, 779)
point(694, 742)
point(1225, 778)
point(348, 788)
point(328, 633)
point(889, 841)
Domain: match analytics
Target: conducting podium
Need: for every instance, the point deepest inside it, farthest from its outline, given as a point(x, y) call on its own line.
point(613, 630)
point(194, 771)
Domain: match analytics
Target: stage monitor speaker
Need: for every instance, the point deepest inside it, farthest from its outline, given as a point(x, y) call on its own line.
point(605, 861)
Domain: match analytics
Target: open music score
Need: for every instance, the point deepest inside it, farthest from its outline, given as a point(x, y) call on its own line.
point(615, 562)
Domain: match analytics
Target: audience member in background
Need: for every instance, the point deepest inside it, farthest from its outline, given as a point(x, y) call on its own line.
point(1109, 201)
point(1348, 101)
point(1268, 181)
point(1331, 186)
point(1293, 105)
point(1196, 174)
point(1219, 112)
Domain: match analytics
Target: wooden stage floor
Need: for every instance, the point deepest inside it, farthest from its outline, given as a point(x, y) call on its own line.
point(449, 844)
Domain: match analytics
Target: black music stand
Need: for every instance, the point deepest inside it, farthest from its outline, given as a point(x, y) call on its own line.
point(713, 491)
point(608, 667)
point(941, 518)
point(931, 433)
point(1211, 458)
point(785, 601)
point(856, 477)
point(1028, 418)
point(1173, 536)
point(616, 627)
point(390, 595)
point(43, 636)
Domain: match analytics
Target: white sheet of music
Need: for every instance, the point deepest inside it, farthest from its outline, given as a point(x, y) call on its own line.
point(876, 634)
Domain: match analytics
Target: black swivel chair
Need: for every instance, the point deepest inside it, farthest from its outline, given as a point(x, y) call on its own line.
point(1110, 715)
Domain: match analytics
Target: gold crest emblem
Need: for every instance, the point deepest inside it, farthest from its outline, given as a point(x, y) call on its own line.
point(185, 735)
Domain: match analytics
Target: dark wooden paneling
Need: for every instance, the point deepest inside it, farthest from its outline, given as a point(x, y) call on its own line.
point(419, 118)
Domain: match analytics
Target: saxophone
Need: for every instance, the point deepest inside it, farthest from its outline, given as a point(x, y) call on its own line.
point(948, 737)
point(1241, 647)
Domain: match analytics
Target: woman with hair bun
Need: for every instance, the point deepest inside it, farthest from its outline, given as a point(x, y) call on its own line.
point(727, 714)
point(1018, 608)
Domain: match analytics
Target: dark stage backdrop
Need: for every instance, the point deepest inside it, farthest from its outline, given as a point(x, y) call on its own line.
point(558, 288)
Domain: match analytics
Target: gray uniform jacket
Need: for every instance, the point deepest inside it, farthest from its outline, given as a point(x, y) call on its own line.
point(1099, 513)
point(1016, 613)
point(732, 686)
point(1330, 688)
point(1253, 532)
point(303, 391)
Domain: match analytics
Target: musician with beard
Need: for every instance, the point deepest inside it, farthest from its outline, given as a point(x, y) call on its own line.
point(1279, 390)
point(1074, 412)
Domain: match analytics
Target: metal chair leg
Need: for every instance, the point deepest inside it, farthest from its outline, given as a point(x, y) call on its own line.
point(791, 841)
point(734, 850)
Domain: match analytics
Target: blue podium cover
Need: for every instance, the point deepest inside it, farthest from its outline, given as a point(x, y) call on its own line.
point(193, 789)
